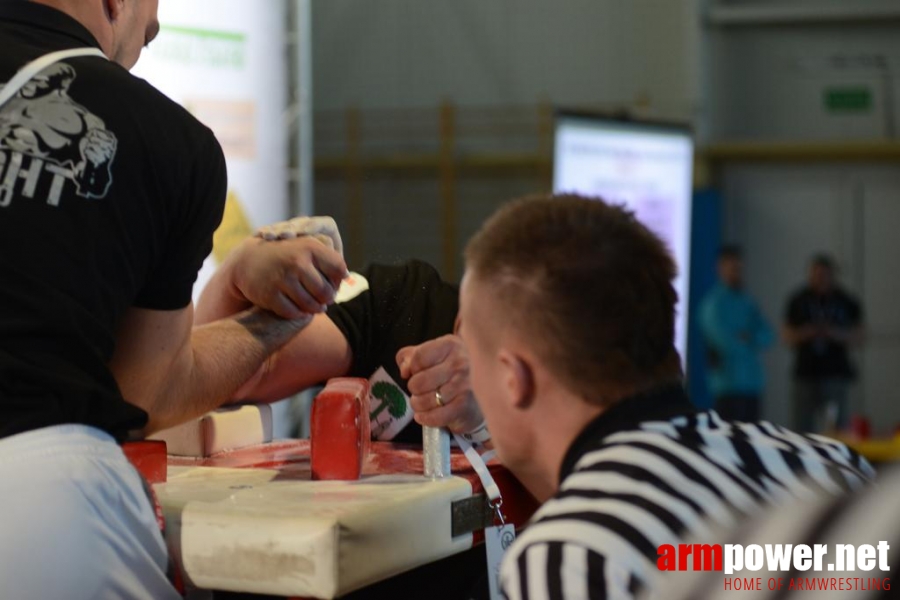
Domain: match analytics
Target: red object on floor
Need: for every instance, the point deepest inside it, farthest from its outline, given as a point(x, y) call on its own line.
point(861, 427)
point(339, 429)
point(149, 458)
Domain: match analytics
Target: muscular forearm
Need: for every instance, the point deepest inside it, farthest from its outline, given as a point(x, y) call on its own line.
point(225, 354)
point(206, 372)
point(319, 352)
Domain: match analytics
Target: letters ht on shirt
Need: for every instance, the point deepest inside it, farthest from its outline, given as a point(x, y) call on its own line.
point(15, 167)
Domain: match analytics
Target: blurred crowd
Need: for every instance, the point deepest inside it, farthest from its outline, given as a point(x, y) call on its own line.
point(821, 323)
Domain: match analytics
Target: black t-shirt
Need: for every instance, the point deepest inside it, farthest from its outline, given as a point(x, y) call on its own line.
point(405, 305)
point(109, 194)
point(822, 357)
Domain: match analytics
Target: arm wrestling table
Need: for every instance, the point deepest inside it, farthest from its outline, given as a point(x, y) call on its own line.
point(251, 520)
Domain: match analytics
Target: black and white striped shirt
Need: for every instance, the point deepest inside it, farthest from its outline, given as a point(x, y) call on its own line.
point(652, 470)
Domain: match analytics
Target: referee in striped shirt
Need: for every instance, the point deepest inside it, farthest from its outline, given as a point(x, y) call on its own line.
point(567, 312)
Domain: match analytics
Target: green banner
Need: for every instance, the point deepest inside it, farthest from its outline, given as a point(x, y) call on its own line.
point(848, 99)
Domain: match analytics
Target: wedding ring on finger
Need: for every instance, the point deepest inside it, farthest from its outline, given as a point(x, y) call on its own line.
point(438, 398)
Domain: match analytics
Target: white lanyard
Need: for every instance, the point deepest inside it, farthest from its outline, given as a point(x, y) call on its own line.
point(28, 72)
point(499, 537)
point(487, 481)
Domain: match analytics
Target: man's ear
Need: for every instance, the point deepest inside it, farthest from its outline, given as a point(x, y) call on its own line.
point(518, 379)
point(113, 8)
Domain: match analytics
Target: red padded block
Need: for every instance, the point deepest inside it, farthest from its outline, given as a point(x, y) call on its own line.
point(149, 458)
point(339, 429)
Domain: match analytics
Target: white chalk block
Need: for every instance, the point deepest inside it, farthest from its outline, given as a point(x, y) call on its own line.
point(227, 428)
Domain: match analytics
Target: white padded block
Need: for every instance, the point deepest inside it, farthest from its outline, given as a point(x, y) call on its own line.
point(227, 428)
point(253, 531)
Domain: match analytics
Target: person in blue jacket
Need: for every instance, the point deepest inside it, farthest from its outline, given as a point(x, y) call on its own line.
point(735, 333)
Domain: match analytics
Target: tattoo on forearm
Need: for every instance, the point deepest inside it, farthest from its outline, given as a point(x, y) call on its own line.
point(269, 329)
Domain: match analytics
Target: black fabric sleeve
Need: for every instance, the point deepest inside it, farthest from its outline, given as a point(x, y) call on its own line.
point(200, 211)
point(356, 317)
point(794, 314)
point(405, 305)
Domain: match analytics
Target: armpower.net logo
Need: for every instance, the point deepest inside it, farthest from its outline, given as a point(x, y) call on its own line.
point(786, 566)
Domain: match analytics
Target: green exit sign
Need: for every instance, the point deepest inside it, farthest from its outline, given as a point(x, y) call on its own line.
point(848, 99)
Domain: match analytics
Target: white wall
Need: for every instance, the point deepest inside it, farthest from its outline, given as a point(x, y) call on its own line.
point(768, 82)
point(417, 53)
point(782, 215)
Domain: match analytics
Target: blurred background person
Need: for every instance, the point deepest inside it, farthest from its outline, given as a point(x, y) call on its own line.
point(822, 322)
point(735, 333)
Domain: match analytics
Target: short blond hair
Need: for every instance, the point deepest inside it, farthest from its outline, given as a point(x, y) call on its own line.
point(589, 285)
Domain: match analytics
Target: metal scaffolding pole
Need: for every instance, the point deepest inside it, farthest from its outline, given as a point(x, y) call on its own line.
point(300, 125)
point(301, 109)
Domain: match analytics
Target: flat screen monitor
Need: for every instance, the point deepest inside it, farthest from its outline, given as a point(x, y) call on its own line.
point(647, 167)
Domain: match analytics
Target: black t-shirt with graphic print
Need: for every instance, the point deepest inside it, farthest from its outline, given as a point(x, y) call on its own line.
point(109, 195)
point(405, 305)
point(823, 357)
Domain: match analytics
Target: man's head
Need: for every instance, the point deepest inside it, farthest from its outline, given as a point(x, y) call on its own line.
point(135, 24)
point(730, 266)
point(564, 296)
point(821, 273)
point(122, 27)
